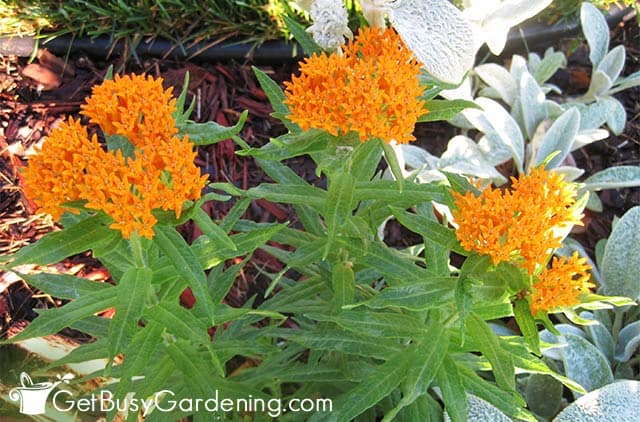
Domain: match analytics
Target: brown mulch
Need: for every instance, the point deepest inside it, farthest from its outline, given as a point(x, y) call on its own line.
point(31, 107)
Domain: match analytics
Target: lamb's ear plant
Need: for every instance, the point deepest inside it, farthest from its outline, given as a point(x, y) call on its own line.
point(124, 205)
point(522, 121)
point(599, 348)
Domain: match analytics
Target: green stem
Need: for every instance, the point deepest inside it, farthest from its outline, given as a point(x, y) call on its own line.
point(617, 324)
point(136, 249)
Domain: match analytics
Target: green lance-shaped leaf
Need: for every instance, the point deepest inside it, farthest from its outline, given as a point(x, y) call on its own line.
point(343, 284)
point(50, 321)
point(392, 159)
point(424, 361)
point(120, 143)
point(305, 40)
point(365, 160)
point(142, 346)
point(621, 258)
point(339, 340)
point(83, 354)
point(489, 345)
point(396, 267)
point(388, 192)
point(185, 264)
point(508, 402)
point(527, 325)
point(373, 388)
point(290, 194)
point(63, 286)
point(193, 367)
point(180, 114)
point(211, 132)
point(374, 323)
point(276, 98)
point(212, 230)
point(438, 292)
point(133, 289)
point(178, 321)
point(452, 389)
point(56, 246)
point(338, 206)
point(430, 229)
point(444, 109)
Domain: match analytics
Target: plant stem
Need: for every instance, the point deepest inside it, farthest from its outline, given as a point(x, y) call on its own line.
point(617, 324)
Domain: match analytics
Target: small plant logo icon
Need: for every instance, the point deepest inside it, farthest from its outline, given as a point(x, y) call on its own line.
point(33, 397)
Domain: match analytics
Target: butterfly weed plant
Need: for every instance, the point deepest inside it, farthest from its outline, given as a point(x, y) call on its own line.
point(384, 331)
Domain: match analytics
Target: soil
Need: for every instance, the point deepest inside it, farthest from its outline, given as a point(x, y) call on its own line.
point(32, 106)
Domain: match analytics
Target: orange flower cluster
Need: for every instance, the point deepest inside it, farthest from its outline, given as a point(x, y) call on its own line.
point(161, 174)
point(132, 106)
point(561, 285)
point(371, 88)
point(523, 224)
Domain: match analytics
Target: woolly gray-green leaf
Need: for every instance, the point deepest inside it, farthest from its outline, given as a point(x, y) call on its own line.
point(464, 157)
point(481, 410)
point(617, 116)
point(599, 86)
point(599, 335)
point(559, 137)
point(438, 35)
point(619, 401)
point(543, 394)
point(621, 258)
point(552, 61)
point(585, 364)
point(614, 178)
point(596, 31)
point(628, 341)
point(613, 62)
point(498, 78)
point(626, 82)
point(532, 100)
point(501, 130)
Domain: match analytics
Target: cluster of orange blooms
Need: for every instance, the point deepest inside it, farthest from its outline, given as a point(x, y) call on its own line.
point(561, 285)
point(372, 88)
point(523, 225)
point(161, 173)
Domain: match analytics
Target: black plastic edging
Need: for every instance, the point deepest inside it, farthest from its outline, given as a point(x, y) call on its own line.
point(268, 52)
point(526, 37)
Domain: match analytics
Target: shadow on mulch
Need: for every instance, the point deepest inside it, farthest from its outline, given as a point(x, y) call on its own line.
point(29, 109)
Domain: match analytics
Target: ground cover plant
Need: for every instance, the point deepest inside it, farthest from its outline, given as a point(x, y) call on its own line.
point(393, 333)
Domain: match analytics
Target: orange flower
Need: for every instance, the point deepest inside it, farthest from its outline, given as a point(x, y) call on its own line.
point(372, 88)
point(160, 175)
point(133, 106)
point(523, 224)
point(55, 175)
point(561, 285)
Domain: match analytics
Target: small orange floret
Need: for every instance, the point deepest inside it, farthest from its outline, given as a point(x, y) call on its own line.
point(523, 224)
point(561, 285)
point(160, 175)
point(372, 88)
